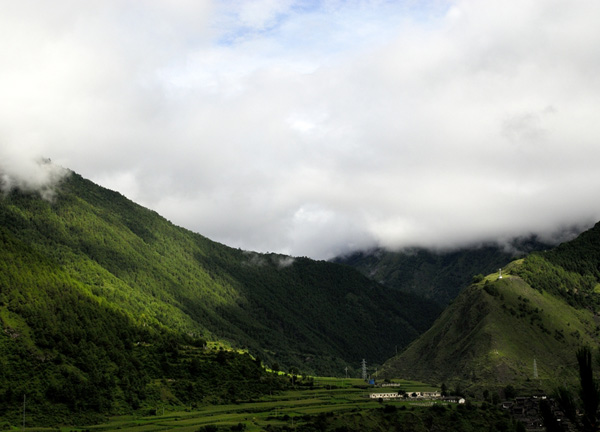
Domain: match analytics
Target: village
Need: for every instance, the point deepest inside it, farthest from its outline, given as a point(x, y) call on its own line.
point(527, 411)
point(524, 409)
point(417, 396)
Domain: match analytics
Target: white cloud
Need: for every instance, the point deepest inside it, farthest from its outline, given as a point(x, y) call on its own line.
point(314, 127)
point(41, 176)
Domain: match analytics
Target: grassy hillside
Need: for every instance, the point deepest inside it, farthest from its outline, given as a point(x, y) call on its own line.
point(438, 276)
point(492, 333)
point(570, 271)
point(100, 296)
point(543, 309)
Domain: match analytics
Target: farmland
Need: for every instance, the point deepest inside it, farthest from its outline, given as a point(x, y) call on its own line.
point(290, 408)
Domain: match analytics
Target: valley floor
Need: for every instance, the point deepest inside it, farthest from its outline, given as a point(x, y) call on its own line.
point(332, 404)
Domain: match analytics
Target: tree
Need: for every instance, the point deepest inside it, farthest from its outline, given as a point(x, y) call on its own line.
point(477, 278)
point(589, 392)
point(444, 389)
point(293, 374)
point(565, 399)
point(195, 367)
point(458, 391)
point(509, 392)
point(486, 395)
point(549, 421)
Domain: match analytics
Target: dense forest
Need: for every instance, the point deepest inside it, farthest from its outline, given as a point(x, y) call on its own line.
point(106, 308)
point(72, 358)
point(438, 275)
point(104, 303)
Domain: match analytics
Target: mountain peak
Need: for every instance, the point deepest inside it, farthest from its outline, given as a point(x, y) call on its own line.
point(493, 331)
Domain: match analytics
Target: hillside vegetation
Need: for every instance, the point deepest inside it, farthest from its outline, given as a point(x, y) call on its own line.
point(543, 309)
point(99, 298)
point(440, 275)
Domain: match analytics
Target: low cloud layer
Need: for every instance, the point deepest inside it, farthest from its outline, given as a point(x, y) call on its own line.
point(32, 175)
point(314, 128)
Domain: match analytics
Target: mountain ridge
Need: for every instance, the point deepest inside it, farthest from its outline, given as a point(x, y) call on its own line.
point(105, 306)
point(542, 310)
point(438, 275)
point(86, 236)
point(102, 297)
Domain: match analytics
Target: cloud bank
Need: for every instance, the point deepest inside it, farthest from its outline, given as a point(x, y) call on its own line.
point(315, 128)
point(30, 174)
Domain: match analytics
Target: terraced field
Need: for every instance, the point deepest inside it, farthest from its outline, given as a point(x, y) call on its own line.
point(286, 408)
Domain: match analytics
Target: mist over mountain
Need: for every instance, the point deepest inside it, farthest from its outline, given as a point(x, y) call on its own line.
point(540, 312)
point(106, 307)
point(101, 296)
point(292, 185)
point(394, 124)
point(439, 275)
point(38, 175)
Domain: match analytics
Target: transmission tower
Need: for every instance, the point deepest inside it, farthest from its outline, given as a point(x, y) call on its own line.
point(535, 373)
point(364, 369)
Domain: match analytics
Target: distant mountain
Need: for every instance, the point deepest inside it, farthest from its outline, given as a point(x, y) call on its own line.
point(437, 275)
point(100, 297)
point(543, 309)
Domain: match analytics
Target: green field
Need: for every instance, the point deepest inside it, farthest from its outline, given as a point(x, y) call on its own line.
point(328, 395)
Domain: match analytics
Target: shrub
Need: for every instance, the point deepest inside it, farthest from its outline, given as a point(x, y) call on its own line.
point(477, 278)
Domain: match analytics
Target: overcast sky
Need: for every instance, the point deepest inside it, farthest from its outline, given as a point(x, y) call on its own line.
point(314, 127)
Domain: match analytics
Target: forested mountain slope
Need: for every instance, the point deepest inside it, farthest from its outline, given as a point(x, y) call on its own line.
point(437, 275)
point(98, 292)
point(544, 308)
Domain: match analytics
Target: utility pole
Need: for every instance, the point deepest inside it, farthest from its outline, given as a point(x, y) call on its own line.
point(23, 411)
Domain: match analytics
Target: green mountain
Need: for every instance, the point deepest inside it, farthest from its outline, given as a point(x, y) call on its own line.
point(100, 297)
point(541, 311)
point(437, 275)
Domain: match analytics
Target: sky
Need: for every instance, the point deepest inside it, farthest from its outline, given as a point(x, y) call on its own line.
point(313, 128)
